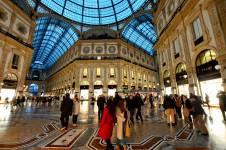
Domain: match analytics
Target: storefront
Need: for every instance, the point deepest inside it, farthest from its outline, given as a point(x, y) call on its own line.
point(133, 86)
point(112, 88)
point(98, 89)
point(9, 86)
point(167, 83)
point(84, 90)
point(209, 77)
point(182, 79)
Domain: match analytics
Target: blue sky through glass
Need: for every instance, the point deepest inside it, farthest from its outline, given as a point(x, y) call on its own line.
point(140, 32)
point(95, 12)
point(52, 39)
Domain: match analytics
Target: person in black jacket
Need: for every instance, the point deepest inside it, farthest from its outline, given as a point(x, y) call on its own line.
point(131, 105)
point(169, 105)
point(139, 103)
point(66, 111)
point(100, 103)
point(116, 99)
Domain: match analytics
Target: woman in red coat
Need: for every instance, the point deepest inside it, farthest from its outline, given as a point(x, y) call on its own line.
point(107, 124)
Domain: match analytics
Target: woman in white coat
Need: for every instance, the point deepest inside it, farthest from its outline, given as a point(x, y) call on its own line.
point(122, 116)
point(75, 111)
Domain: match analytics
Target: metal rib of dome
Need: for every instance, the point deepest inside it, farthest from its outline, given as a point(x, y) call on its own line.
point(52, 39)
point(95, 12)
point(141, 32)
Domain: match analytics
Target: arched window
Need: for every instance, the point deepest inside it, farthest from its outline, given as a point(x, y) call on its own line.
point(180, 68)
point(166, 74)
point(205, 57)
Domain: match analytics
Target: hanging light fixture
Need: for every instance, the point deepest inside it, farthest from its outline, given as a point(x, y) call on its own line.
point(185, 76)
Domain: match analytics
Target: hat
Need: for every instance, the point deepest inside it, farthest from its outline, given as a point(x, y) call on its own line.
point(193, 96)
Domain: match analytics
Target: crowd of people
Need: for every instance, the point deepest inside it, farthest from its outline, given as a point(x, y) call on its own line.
point(121, 112)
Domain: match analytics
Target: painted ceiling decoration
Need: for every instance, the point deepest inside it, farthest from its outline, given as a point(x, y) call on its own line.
point(52, 39)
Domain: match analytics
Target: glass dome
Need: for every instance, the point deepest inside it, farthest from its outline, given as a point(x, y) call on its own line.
point(52, 39)
point(141, 32)
point(95, 12)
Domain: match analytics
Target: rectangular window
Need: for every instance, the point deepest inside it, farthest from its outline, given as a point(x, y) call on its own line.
point(197, 28)
point(132, 74)
point(163, 58)
point(112, 72)
point(85, 72)
point(15, 61)
point(124, 73)
point(175, 46)
point(144, 77)
point(98, 71)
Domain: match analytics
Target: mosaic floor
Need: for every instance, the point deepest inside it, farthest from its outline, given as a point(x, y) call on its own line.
point(33, 127)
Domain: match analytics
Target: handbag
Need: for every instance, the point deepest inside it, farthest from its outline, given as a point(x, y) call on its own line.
point(127, 134)
point(185, 112)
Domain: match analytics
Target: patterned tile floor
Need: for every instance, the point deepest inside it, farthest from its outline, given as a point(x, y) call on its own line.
point(33, 127)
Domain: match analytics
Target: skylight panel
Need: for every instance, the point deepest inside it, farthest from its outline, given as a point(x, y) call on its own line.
point(105, 3)
point(90, 3)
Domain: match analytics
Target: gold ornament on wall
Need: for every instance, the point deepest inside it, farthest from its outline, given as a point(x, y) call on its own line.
point(86, 50)
point(99, 49)
point(111, 49)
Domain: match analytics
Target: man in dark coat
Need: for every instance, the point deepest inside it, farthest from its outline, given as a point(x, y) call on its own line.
point(139, 103)
point(116, 99)
point(66, 111)
point(100, 103)
point(131, 105)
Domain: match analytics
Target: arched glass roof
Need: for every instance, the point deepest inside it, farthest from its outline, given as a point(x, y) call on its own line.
point(140, 32)
point(95, 12)
point(52, 39)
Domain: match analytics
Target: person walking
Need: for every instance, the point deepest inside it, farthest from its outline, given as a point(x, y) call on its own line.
point(160, 102)
point(75, 112)
point(198, 114)
point(43, 102)
point(222, 102)
point(107, 124)
point(169, 105)
point(207, 100)
point(188, 105)
point(22, 101)
point(178, 105)
point(92, 104)
point(146, 106)
point(66, 111)
point(122, 123)
point(18, 101)
point(139, 103)
point(131, 105)
point(151, 99)
point(100, 103)
point(116, 99)
point(50, 99)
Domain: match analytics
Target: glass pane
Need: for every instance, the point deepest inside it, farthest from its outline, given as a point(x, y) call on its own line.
point(98, 71)
point(85, 72)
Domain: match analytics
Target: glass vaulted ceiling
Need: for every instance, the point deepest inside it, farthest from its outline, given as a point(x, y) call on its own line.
point(52, 39)
point(95, 12)
point(140, 32)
